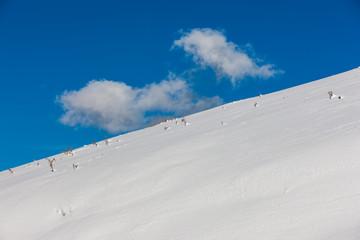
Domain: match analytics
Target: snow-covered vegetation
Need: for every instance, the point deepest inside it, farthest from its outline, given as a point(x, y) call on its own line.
point(288, 168)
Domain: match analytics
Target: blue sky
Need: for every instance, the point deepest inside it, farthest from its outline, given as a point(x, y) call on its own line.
point(146, 57)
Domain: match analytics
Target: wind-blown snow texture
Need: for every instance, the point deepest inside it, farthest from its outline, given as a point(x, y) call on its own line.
point(286, 169)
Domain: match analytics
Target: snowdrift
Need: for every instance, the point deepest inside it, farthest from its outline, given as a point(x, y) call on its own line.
point(282, 166)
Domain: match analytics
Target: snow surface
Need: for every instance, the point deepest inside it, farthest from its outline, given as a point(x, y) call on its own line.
point(288, 168)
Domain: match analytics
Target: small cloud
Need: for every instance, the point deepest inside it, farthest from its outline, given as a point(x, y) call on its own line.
point(117, 107)
point(210, 48)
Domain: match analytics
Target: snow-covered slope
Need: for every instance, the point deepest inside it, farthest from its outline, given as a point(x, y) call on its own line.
point(286, 169)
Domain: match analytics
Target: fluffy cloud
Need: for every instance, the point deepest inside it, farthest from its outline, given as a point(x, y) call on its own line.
point(210, 48)
point(117, 107)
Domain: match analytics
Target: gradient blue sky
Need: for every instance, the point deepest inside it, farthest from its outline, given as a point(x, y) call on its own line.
point(47, 47)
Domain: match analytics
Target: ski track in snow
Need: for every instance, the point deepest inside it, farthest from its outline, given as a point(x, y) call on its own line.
point(287, 167)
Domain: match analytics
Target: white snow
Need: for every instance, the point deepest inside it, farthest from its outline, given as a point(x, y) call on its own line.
point(286, 169)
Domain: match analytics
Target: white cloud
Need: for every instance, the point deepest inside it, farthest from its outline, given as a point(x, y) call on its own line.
point(210, 48)
point(117, 107)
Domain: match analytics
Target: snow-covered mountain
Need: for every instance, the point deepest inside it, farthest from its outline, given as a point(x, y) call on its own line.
point(282, 166)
